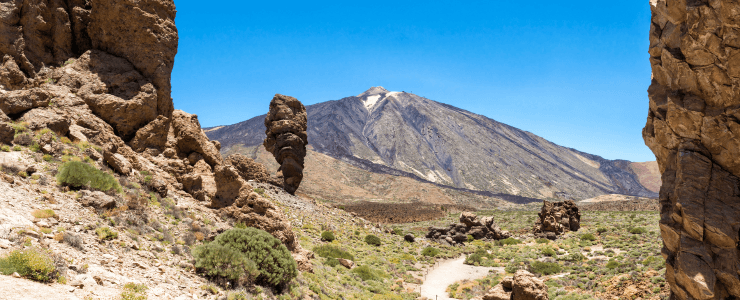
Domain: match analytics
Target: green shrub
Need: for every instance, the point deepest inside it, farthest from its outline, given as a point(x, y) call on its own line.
point(588, 237)
point(330, 251)
point(366, 273)
point(5, 148)
point(132, 291)
point(430, 251)
point(35, 147)
point(508, 241)
point(274, 262)
point(31, 263)
point(470, 238)
point(545, 268)
point(17, 148)
point(332, 262)
point(372, 240)
point(397, 231)
point(48, 157)
point(327, 236)
point(601, 230)
point(542, 241)
point(106, 234)
point(78, 174)
point(637, 230)
point(548, 251)
point(224, 263)
point(612, 264)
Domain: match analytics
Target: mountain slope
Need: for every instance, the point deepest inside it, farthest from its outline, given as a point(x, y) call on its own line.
point(403, 134)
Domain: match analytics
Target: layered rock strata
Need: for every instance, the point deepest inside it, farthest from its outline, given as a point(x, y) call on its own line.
point(470, 224)
point(556, 218)
point(287, 139)
point(693, 128)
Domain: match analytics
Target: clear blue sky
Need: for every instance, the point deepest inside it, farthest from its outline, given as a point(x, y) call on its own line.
point(573, 72)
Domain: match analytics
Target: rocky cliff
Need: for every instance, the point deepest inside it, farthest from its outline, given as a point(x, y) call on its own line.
point(99, 72)
point(693, 127)
point(403, 134)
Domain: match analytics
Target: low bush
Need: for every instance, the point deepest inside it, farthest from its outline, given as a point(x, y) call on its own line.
point(224, 264)
point(132, 291)
point(332, 262)
point(612, 264)
point(72, 240)
point(330, 251)
point(372, 240)
point(430, 251)
point(273, 260)
point(545, 268)
point(106, 234)
point(366, 273)
point(601, 230)
point(542, 241)
point(548, 251)
point(508, 241)
point(33, 264)
point(327, 236)
point(588, 237)
point(637, 230)
point(397, 231)
point(43, 213)
point(79, 174)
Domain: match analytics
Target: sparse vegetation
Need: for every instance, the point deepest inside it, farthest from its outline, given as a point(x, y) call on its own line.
point(372, 240)
point(43, 213)
point(327, 236)
point(106, 234)
point(34, 264)
point(78, 174)
point(132, 291)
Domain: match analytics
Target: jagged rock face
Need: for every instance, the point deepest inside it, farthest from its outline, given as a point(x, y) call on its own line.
point(248, 168)
point(479, 228)
point(287, 139)
point(556, 218)
point(693, 128)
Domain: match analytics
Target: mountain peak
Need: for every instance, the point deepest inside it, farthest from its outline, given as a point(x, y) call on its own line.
point(376, 90)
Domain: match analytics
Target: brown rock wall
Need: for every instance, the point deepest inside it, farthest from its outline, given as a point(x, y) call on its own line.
point(693, 128)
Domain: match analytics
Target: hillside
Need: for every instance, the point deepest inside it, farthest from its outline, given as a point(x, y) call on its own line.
point(403, 134)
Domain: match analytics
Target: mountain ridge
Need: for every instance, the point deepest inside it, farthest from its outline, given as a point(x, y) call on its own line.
point(446, 145)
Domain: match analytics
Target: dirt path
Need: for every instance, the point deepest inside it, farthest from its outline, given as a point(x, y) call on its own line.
point(448, 272)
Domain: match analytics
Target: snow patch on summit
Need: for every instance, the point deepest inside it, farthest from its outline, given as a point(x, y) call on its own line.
point(370, 101)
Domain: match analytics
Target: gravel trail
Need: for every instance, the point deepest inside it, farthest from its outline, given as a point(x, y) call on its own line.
point(448, 272)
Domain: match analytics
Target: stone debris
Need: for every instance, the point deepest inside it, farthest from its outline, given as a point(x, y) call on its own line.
point(556, 218)
point(470, 224)
point(286, 139)
point(692, 128)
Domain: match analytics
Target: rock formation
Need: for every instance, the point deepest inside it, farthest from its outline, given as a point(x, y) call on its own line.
point(556, 218)
point(99, 72)
point(479, 228)
point(523, 286)
point(693, 128)
point(286, 138)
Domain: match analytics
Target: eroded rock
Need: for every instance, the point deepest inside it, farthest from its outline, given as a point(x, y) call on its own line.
point(248, 168)
point(286, 139)
point(470, 224)
point(557, 218)
point(693, 130)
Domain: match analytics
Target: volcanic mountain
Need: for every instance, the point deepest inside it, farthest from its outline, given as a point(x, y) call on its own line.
point(402, 134)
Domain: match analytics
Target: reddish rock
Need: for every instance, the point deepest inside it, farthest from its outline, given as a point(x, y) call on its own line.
point(557, 218)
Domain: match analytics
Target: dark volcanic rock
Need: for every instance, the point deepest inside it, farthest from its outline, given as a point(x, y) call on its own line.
point(286, 138)
point(479, 228)
point(693, 129)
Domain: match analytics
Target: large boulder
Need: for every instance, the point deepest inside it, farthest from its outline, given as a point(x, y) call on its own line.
point(557, 218)
point(523, 286)
point(16, 102)
point(286, 139)
point(693, 129)
point(470, 224)
point(248, 168)
point(188, 137)
point(40, 118)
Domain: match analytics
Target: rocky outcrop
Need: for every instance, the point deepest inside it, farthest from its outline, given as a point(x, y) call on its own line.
point(479, 228)
point(523, 286)
point(693, 129)
point(248, 168)
point(556, 218)
point(287, 139)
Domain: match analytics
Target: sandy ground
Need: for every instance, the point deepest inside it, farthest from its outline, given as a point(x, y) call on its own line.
point(449, 272)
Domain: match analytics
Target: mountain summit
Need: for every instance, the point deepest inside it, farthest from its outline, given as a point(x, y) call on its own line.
point(401, 133)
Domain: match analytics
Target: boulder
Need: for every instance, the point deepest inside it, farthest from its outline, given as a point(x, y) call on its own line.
point(409, 238)
point(16, 102)
point(286, 139)
point(479, 228)
point(189, 137)
point(498, 293)
point(526, 286)
point(346, 263)
point(6, 133)
point(557, 218)
point(117, 161)
point(97, 199)
point(40, 118)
